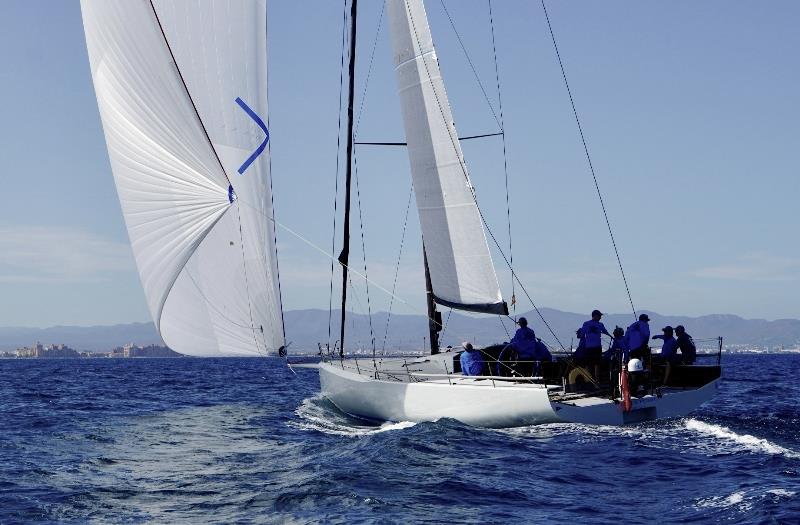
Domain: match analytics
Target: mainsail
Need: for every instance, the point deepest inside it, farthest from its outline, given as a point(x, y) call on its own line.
point(461, 269)
point(181, 88)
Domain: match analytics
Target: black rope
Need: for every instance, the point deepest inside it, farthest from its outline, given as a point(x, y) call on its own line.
point(397, 269)
point(338, 160)
point(475, 198)
point(588, 157)
point(505, 160)
point(364, 253)
point(188, 94)
point(369, 70)
point(470, 137)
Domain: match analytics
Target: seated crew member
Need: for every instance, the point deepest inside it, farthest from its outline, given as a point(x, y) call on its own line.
point(685, 345)
point(637, 336)
point(471, 360)
point(669, 351)
point(524, 343)
point(592, 331)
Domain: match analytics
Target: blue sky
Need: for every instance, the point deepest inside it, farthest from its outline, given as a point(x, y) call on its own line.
point(690, 110)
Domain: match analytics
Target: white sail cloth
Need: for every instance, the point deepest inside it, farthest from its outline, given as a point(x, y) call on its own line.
point(461, 269)
point(167, 76)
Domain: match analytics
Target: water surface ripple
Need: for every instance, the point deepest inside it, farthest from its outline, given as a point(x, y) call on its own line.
point(247, 441)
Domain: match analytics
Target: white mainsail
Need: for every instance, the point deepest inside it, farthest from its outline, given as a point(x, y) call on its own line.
point(181, 88)
point(461, 269)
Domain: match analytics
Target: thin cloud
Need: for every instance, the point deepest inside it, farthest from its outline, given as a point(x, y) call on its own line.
point(754, 267)
point(55, 254)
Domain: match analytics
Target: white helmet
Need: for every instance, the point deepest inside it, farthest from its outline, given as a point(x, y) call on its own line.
point(635, 365)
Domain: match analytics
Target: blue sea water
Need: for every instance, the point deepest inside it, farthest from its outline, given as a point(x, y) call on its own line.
point(248, 441)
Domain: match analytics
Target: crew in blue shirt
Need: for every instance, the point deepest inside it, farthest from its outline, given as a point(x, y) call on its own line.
point(524, 341)
point(619, 347)
point(637, 336)
point(590, 348)
point(471, 361)
point(592, 330)
point(669, 350)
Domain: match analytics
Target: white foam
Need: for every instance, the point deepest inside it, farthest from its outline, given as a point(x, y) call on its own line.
point(746, 441)
point(737, 499)
point(314, 413)
point(782, 493)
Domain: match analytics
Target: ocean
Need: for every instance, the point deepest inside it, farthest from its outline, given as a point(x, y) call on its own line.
point(250, 441)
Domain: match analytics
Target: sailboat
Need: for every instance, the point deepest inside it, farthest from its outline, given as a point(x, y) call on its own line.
point(460, 274)
point(185, 118)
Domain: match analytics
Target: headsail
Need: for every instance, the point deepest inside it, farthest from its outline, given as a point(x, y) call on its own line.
point(460, 264)
point(181, 88)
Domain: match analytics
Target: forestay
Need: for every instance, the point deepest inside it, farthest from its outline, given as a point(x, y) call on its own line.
point(461, 269)
point(167, 76)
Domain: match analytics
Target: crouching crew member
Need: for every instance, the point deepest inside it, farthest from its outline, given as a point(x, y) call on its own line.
point(471, 361)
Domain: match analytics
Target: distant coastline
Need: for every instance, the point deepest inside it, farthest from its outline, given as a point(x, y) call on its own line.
point(406, 334)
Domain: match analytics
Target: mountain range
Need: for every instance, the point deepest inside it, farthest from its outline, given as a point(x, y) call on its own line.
point(306, 328)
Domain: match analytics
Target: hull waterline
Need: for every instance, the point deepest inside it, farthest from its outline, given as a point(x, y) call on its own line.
point(490, 403)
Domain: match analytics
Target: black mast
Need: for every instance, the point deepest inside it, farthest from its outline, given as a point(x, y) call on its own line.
point(345, 255)
point(434, 317)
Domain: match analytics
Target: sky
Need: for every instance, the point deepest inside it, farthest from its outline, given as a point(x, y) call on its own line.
point(690, 112)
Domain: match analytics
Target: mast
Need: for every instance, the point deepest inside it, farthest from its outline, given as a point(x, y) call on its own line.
point(434, 316)
point(345, 254)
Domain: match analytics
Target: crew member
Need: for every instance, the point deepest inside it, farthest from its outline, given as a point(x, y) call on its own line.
point(524, 342)
point(669, 351)
point(592, 331)
point(637, 336)
point(685, 345)
point(619, 347)
point(471, 360)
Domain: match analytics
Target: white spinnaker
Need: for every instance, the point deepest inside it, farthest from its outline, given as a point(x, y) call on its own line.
point(207, 265)
point(461, 269)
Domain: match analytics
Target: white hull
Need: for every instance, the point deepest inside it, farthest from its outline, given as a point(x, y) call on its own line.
point(418, 393)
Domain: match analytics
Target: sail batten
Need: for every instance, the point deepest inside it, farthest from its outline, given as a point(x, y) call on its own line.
point(459, 261)
point(167, 77)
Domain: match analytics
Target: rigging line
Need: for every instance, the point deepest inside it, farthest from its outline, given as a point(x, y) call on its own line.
point(369, 70)
point(188, 94)
point(505, 159)
point(272, 206)
point(503, 324)
point(397, 267)
point(472, 66)
point(363, 249)
point(461, 164)
point(338, 162)
point(588, 157)
point(328, 255)
point(446, 322)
